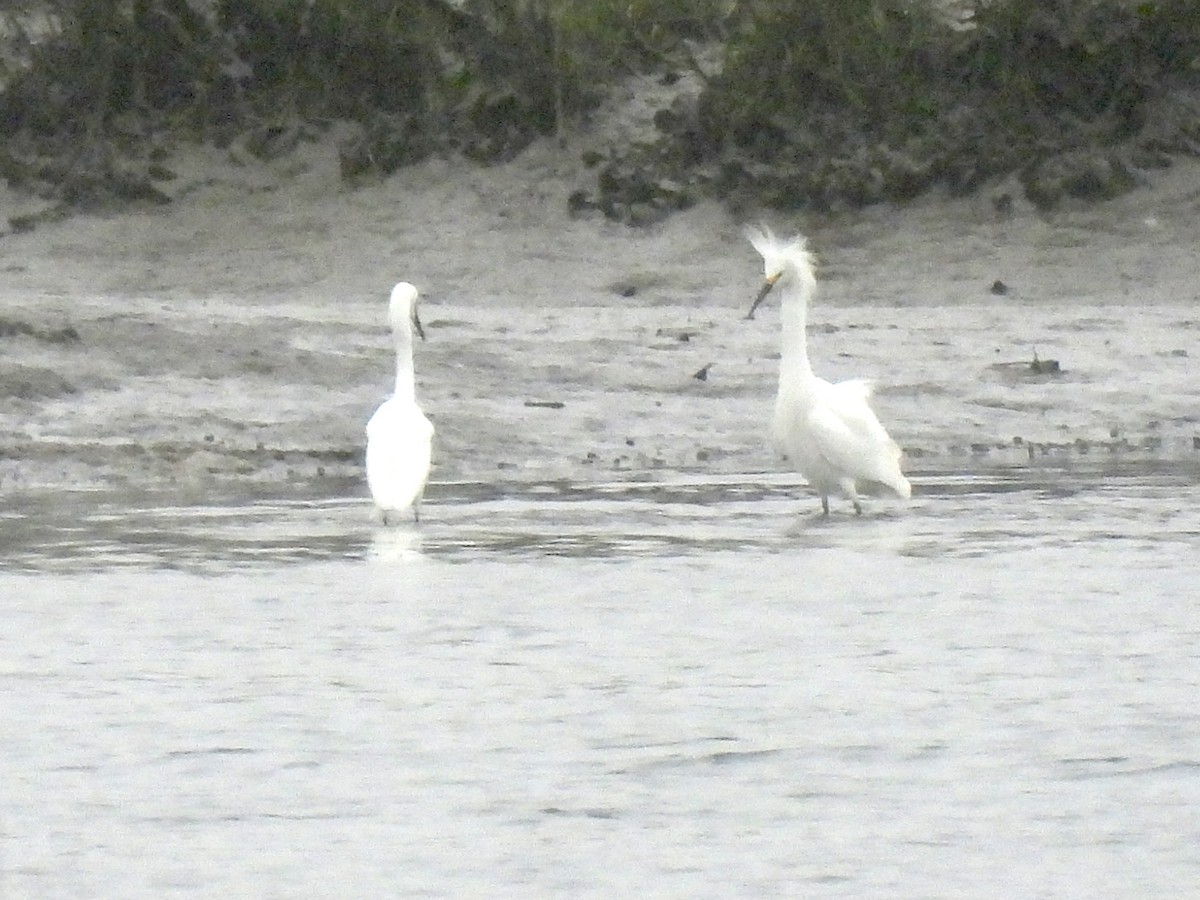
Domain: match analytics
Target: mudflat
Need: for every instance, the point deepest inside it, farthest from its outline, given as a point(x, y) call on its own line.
point(238, 335)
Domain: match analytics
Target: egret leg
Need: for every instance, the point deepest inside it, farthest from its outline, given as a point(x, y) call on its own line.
point(824, 505)
point(416, 512)
point(857, 508)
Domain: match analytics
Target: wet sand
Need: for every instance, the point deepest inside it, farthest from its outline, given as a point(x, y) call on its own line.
point(237, 337)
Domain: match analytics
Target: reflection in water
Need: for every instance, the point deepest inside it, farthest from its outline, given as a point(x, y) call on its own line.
point(950, 515)
point(397, 544)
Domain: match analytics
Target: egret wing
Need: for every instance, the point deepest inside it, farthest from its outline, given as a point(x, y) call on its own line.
point(850, 436)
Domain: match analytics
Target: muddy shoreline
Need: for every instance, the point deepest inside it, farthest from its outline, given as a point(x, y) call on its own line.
point(236, 338)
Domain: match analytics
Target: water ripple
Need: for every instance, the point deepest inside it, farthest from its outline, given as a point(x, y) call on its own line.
point(964, 515)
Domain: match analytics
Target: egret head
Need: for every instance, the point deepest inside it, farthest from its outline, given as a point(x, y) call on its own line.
point(403, 309)
point(781, 260)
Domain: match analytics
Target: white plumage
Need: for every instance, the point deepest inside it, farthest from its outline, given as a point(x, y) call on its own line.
point(827, 431)
point(399, 436)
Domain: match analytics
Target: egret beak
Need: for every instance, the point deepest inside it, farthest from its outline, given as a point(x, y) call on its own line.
point(766, 289)
point(417, 323)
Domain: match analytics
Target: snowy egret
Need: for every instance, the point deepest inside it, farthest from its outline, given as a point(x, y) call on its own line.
point(399, 436)
point(827, 431)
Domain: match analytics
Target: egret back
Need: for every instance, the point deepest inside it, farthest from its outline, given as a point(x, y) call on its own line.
point(832, 436)
point(399, 453)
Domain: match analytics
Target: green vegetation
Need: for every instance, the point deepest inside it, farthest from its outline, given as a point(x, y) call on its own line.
point(73, 65)
point(818, 103)
point(884, 98)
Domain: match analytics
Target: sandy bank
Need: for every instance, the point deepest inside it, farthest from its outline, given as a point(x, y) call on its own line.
point(237, 335)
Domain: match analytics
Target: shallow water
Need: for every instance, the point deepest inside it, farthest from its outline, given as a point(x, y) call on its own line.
point(685, 687)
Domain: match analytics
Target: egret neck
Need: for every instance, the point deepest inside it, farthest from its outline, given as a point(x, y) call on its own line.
point(795, 371)
point(403, 321)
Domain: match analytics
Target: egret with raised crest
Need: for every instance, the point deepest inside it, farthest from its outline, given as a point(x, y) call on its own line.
point(828, 432)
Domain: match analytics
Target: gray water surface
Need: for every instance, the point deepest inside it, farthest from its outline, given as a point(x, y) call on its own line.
point(684, 688)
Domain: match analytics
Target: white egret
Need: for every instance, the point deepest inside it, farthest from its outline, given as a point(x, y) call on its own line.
point(827, 431)
point(399, 436)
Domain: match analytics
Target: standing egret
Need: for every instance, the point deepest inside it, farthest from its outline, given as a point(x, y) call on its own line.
point(399, 436)
point(827, 431)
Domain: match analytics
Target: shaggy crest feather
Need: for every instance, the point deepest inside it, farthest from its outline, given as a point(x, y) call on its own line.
point(774, 251)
